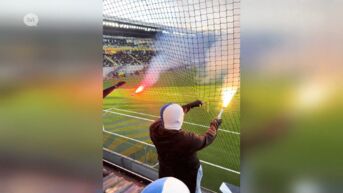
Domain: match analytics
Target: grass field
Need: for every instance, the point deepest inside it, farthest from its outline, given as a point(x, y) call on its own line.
point(130, 116)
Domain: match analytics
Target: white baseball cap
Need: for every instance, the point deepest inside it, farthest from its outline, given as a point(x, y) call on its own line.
point(172, 116)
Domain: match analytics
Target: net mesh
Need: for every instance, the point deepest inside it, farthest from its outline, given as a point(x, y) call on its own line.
point(179, 51)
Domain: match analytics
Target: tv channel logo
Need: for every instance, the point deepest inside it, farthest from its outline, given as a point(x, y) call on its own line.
point(31, 20)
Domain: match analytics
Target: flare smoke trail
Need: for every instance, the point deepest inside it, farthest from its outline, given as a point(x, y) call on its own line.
point(210, 45)
point(176, 49)
point(206, 52)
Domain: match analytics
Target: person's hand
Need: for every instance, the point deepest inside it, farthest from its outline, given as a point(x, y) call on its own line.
point(196, 103)
point(191, 105)
point(216, 123)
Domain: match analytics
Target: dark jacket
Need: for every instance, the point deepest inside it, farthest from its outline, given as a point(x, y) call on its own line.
point(177, 152)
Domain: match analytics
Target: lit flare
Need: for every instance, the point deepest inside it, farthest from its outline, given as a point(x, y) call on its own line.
point(227, 95)
point(139, 89)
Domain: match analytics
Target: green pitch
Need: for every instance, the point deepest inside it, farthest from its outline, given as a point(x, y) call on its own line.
point(130, 116)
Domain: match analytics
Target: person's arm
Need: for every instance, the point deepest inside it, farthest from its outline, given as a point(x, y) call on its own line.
point(191, 105)
point(107, 91)
point(198, 142)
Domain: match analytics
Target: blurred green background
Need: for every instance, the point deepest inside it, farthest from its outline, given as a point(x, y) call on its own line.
point(291, 98)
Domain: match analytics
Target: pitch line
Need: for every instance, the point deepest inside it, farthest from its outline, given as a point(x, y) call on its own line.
point(189, 123)
point(129, 138)
point(126, 115)
point(151, 145)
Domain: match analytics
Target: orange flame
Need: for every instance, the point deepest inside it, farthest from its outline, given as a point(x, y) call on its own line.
point(139, 89)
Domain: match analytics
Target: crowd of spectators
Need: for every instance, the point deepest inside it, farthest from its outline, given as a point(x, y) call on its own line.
point(106, 62)
point(130, 57)
point(129, 42)
point(143, 56)
point(139, 55)
point(116, 42)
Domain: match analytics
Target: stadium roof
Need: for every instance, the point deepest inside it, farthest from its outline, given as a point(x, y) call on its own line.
point(113, 25)
point(129, 28)
point(134, 22)
point(140, 10)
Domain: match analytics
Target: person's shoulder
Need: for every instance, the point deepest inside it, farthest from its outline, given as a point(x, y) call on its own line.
point(156, 124)
point(186, 134)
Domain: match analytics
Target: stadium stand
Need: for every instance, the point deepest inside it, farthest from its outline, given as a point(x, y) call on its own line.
point(116, 180)
point(126, 55)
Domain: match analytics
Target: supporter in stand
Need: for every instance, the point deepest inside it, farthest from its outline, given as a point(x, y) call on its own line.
point(177, 149)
